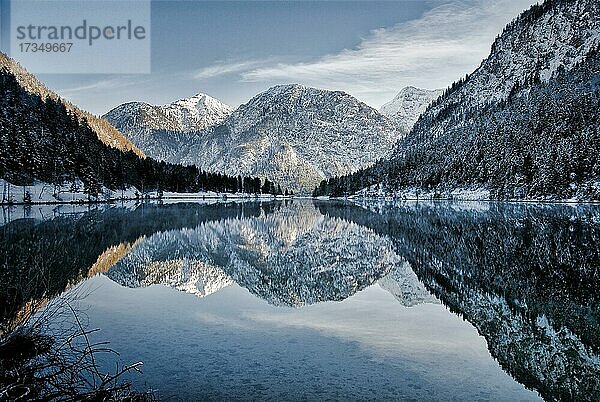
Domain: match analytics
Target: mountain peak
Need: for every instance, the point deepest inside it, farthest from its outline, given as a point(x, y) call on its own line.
point(192, 114)
point(302, 96)
point(199, 100)
point(410, 88)
point(200, 96)
point(408, 105)
point(294, 91)
point(292, 134)
point(288, 87)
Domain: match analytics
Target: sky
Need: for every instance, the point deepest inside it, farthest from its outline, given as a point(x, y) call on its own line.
point(233, 50)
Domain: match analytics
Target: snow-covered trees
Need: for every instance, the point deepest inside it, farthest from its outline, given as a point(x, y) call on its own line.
point(40, 139)
point(524, 125)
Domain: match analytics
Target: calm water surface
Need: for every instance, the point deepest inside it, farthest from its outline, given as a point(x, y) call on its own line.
point(303, 300)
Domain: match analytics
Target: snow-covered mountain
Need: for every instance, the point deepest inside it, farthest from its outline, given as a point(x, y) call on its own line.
point(293, 135)
point(185, 115)
point(408, 105)
point(163, 130)
point(558, 34)
point(521, 126)
point(545, 39)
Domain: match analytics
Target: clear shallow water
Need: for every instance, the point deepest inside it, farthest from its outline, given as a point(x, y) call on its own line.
point(304, 300)
point(233, 345)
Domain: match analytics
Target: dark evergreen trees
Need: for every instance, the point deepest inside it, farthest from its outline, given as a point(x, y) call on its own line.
point(41, 140)
point(542, 141)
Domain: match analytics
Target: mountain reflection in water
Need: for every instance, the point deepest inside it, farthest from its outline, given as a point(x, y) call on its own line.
point(292, 257)
point(525, 276)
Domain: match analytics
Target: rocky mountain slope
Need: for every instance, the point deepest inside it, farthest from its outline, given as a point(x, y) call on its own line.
point(291, 134)
point(139, 121)
point(51, 146)
point(406, 108)
point(523, 125)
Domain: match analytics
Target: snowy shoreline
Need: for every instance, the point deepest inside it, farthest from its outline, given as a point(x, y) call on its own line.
point(41, 193)
point(449, 199)
point(73, 193)
point(479, 194)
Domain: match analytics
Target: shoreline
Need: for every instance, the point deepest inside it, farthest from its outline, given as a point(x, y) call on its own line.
point(484, 200)
point(275, 198)
point(144, 199)
point(42, 193)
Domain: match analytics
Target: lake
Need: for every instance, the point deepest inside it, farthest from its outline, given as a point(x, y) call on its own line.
point(325, 300)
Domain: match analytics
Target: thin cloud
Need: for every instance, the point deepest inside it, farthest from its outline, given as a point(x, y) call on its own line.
point(227, 68)
point(102, 85)
point(431, 52)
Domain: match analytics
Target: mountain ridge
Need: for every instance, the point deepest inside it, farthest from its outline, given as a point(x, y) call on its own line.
point(195, 113)
point(521, 126)
point(106, 133)
point(292, 134)
point(408, 105)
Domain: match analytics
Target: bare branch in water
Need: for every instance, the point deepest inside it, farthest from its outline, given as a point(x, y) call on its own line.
point(51, 356)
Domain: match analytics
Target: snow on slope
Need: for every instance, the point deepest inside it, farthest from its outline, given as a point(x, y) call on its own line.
point(558, 34)
point(408, 105)
point(292, 134)
point(185, 115)
point(74, 192)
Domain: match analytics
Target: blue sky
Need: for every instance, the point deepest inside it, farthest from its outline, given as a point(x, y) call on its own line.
point(233, 50)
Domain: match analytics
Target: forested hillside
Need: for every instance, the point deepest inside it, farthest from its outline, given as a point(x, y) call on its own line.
point(43, 139)
point(538, 138)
